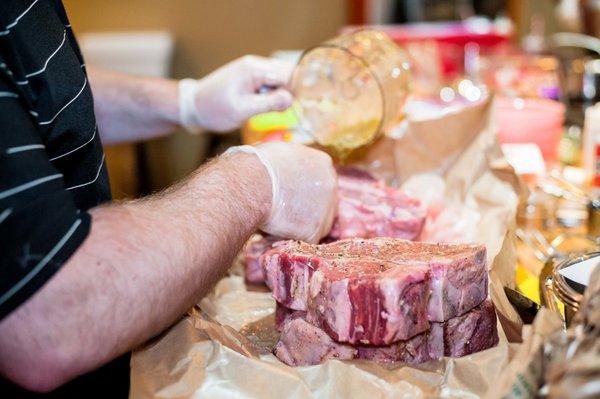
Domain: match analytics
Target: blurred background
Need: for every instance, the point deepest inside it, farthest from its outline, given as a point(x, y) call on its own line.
point(190, 38)
point(205, 34)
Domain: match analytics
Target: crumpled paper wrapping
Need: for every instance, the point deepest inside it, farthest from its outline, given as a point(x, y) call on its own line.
point(574, 356)
point(554, 363)
point(221, 349)
point(523, 375)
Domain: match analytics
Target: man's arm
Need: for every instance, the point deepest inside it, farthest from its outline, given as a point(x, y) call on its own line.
point(143, 264)
point(132, 108)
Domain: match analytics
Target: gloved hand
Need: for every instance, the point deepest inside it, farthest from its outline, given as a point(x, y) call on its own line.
point(230, 95)
point(304, 189)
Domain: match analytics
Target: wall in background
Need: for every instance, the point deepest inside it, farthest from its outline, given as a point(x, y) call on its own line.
point(543, 8)
point(208, 34)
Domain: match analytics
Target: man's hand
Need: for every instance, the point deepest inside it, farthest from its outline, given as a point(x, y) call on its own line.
point(132, 108)
point(226, 98)
point(304, 186)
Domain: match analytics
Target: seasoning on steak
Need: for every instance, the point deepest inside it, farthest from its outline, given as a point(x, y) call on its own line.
point(303, 344)
point(379, 290)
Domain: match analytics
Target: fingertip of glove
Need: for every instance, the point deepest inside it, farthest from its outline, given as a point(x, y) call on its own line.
point(280, 100)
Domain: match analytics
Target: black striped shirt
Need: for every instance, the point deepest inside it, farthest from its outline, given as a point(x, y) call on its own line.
point(52, 166)
point(51, 160)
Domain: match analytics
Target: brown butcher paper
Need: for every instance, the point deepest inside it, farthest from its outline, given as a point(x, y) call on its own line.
point(221, 349)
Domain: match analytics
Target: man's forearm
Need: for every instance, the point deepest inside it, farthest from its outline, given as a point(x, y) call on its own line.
point(143, 265)
point(130, 108)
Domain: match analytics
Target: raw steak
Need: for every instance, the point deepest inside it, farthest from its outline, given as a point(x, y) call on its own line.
point(418, 349)
point(472, 332)
point(376, 291)
point(366, 208)
point(283, 315)
point(369, 208)
point(256, 246)
point(302, 344)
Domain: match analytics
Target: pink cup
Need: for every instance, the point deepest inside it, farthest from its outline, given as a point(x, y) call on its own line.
point(531, 120)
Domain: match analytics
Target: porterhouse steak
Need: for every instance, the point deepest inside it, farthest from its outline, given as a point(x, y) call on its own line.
point(303, 344)
point(376, 291)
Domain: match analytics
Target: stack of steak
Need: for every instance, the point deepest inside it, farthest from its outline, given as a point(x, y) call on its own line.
point(367, 208)
point(356, 296)
point(384, 299)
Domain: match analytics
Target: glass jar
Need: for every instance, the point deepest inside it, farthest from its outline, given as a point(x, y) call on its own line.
point(350, 89)
point(556, 292)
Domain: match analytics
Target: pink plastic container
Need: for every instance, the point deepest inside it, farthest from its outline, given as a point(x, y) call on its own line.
point(531, 120)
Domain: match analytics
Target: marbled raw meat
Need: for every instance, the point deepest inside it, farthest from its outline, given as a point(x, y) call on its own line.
point(376, 291)
point(303, 344)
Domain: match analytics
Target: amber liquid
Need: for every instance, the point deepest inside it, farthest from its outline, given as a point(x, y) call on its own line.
point(342, 143)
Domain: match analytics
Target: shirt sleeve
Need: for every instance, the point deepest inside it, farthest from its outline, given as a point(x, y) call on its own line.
point(40, 226)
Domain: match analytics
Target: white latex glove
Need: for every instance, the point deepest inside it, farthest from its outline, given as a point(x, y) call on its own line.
point(226, 98)
point(304, 188)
